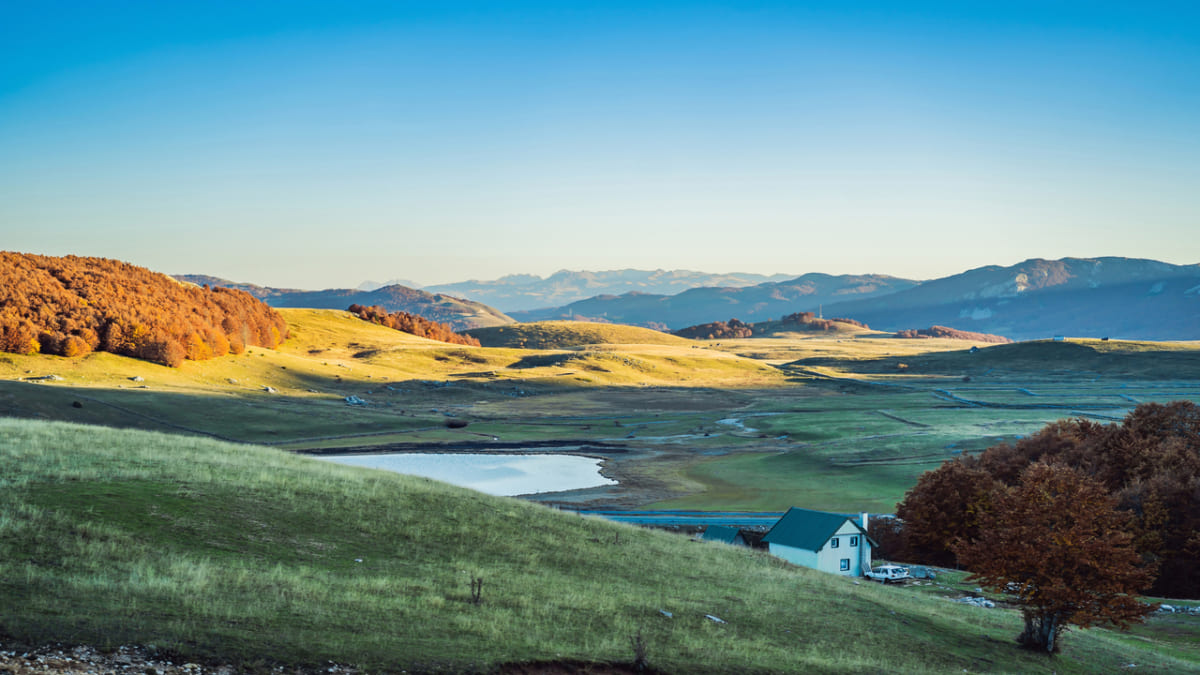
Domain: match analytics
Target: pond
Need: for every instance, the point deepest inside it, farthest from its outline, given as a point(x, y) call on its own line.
point(496, 474)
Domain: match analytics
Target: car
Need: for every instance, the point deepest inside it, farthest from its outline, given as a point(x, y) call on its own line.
point(885, 574)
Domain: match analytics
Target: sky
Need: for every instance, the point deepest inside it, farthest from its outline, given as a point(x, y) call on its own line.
point(321, 144)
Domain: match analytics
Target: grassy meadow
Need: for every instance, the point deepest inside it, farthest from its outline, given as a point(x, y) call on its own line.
point(207, 549)
point(841, 421)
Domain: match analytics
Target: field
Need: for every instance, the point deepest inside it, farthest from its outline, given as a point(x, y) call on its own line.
point(836, 422)
point(257, 557)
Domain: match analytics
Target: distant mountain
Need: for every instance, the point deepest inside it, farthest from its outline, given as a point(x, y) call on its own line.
point(460, 314)
point(761, 302)
point(528, 291)
point(1086, 297)
point(376, 285)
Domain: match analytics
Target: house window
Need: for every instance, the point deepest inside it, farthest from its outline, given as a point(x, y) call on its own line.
point(833, 543)
point(845, 564)
point(854, 541)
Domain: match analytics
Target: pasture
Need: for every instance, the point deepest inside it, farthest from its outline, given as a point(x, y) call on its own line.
point(845, 421)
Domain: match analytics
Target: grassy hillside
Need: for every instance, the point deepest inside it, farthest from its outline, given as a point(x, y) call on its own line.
point(566, 334)
point(213, 550)
point(298, 391)
point(1137, 359)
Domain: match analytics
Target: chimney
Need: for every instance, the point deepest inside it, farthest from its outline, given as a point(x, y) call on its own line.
point(864, 521)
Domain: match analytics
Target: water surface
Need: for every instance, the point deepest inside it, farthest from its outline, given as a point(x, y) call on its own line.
point(496, 474)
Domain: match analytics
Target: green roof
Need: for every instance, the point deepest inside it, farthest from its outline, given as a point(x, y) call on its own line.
point(721, 533)
point(809, 530)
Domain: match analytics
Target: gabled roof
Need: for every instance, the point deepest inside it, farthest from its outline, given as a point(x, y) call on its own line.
point(809, 530)
point(721, 533)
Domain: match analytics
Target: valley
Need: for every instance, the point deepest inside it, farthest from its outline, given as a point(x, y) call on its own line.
point(828, 422)
point(233, 546)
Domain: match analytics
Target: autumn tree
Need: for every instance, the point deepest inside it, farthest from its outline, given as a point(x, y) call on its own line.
point(1057, 542)
point(412, 324)
point(73, 305)
point(943, 506)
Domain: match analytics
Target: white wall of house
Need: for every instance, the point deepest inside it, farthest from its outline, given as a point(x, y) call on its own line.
point(849, 557)
point(796, 556)
point(834, 559)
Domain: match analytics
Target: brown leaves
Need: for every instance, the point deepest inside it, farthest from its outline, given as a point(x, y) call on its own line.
point(1057, 540)
point(72, 305)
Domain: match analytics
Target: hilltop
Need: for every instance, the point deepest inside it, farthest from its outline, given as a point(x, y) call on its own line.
point(255, 557)
point(460, 314)
point(71, 306)
point(567, 334)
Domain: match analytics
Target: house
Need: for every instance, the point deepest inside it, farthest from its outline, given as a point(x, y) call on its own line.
point(830, 542)
point(724, 534)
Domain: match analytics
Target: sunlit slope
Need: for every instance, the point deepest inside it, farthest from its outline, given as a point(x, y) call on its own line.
point(1114, 358)
point(565, 334)
point(302, 390)
point(216, 550)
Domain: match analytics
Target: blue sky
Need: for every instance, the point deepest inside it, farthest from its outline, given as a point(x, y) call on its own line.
point(321, 144)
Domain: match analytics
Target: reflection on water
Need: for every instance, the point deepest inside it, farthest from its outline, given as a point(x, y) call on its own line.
point(495, 474)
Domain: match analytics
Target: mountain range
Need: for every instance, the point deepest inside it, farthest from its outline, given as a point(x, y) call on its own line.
point(460, 313)
point(517, 292)
point(1098, 297)
point(752, 303)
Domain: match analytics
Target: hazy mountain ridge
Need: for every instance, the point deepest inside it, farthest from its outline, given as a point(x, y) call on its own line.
point(702, 305)
point(1098, 297)
point(524, 292)
point(459, 313)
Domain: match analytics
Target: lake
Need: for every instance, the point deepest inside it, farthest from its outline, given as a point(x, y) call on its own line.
point(496, 474)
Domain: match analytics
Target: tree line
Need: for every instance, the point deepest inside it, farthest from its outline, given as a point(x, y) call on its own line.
point(722, 330)
point(412, 323)
point(71, 306)
point(1075, 519)
point(952, 333)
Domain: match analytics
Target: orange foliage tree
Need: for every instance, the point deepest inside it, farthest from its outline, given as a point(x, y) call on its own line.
point(413, 324)
point(73, 305)
point(1149, 463)
point(1057, 541)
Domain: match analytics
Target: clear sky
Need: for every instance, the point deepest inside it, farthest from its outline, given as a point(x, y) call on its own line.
point(319, 144)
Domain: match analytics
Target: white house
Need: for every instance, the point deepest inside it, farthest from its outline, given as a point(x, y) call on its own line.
point(830, 542)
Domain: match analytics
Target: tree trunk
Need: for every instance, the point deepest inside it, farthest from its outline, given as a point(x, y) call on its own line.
point(1041, 632)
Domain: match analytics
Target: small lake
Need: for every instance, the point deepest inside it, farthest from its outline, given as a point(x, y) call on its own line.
point(505, 475)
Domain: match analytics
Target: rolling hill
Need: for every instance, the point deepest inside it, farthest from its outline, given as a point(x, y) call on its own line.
point(461, 314)
point(218, 552)
point(567, 334)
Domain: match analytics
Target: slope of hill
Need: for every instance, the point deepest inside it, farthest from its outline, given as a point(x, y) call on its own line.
point(567, 334)
point(460, 314)
point(800, 322)
point(517, 292)
point(71, 306)
point(212, 551)
point(1118, 297)
point(702, 305)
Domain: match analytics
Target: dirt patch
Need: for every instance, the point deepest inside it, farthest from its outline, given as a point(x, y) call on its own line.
point(20, 659)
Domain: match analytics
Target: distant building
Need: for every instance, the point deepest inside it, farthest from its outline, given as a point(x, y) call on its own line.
point(724, 534)
point(1060, 338)
point(830, 542)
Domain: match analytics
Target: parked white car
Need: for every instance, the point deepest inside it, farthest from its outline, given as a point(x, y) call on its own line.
point(888, 573)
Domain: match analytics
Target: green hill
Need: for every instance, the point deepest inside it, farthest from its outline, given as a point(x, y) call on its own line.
point(218, 551)
point(567, 334)
point(1114, 358)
